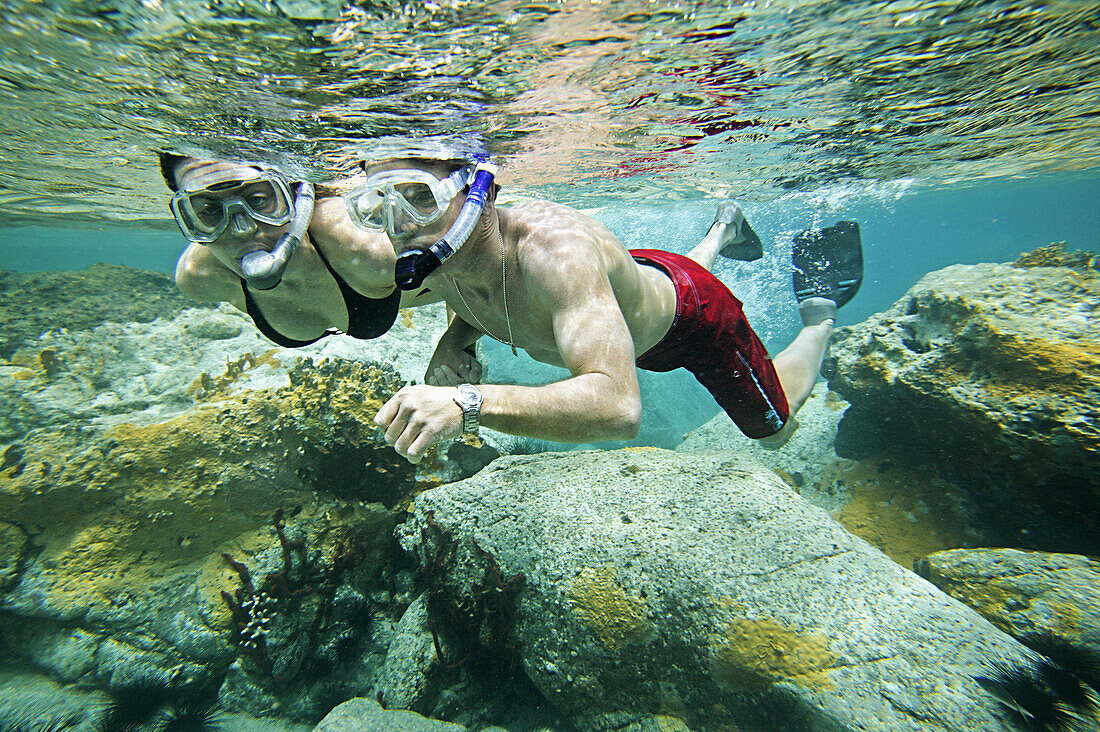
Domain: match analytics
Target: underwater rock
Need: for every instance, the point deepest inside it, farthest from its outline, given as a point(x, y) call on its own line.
point(409, 677)
point(1050, 602)
point(33, 303)
point(367, 715)
point(696, 585)
point(991, 372)
point(31, 702)
point(900, 509)
point(139, 373)
point(806, 456)
point(129, 529)
point(146, 373)
point(13, 545)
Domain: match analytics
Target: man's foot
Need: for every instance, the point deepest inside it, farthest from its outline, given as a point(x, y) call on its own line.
point(739, 241)
point(828, 270)
point(816, 310)
point(780, 438)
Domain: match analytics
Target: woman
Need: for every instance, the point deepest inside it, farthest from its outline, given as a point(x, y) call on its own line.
point(334, 276)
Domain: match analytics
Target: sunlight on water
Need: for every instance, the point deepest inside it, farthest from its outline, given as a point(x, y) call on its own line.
point(633, 99)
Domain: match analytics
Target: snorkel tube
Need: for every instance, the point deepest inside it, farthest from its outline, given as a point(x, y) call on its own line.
point(264, 270)
point(414, 266)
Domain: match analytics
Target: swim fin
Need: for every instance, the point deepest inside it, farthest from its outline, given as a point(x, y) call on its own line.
point(828, 263)
point(744, 244)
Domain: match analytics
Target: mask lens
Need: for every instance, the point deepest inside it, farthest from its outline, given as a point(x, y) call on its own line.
point(365, 207)
point(265, 199)
point(418, 195)
point(208, 212)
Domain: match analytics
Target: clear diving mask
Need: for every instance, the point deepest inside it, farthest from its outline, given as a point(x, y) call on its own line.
point(211, 203)
point(392, 196)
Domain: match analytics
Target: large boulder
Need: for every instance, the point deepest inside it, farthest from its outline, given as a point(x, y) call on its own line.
point(901, 509)
point(367, 715)
point(643, 582)
point(1051, 602)
point(803, 461)
point(991, 372)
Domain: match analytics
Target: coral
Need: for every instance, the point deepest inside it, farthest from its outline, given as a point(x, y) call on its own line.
point(303, 574)
point(480, 621)
point(1056, 255)
point(208, 388)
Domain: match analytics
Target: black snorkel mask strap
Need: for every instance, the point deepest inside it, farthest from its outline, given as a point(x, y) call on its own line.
point(412, 267)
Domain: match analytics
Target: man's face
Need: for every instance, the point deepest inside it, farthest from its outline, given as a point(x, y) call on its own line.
point(404, 230)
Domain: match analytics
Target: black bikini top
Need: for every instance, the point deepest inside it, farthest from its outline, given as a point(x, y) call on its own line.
point(367, 318)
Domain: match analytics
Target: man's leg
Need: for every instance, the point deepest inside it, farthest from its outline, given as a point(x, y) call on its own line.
point(706, 251)
point(799, 364)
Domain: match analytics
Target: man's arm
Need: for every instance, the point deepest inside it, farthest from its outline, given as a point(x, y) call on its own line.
point(601, 401)
point(454, 360)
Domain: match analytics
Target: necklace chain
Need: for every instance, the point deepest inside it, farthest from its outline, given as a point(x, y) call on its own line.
point(504, 289)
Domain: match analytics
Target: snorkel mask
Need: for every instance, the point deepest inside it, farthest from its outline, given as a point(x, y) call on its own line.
point(212, 203)
point(420, 197)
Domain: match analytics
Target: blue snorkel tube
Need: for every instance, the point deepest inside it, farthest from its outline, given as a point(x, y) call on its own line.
point(264, 270)
point(413, 267)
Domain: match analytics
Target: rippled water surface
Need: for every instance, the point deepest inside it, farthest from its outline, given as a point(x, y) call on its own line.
point(583, 100)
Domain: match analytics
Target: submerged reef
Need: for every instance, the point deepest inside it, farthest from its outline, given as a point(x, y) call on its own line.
point(118, 536)
point(991, 375)
point(197, 525)
point(133, 456)
point(33, 303)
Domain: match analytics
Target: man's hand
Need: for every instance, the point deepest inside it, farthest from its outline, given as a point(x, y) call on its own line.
point(417, 417)
point(451, 366)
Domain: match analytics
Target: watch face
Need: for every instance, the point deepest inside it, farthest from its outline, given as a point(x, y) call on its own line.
point(469, 396)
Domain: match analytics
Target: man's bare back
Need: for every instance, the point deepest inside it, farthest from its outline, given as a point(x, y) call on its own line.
point(557, 255)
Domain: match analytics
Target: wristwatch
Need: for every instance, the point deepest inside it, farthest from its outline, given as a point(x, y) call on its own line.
point(469, 398)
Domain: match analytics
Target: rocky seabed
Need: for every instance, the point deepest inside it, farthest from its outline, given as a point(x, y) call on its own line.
point(200, 530)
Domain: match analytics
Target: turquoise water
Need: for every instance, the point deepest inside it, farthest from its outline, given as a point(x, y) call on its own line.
point(148, 468)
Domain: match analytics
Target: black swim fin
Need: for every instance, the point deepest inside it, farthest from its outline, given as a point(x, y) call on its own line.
point(828, 263)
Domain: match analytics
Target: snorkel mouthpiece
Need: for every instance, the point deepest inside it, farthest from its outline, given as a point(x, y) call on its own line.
point(264, 270)
point(413, 267)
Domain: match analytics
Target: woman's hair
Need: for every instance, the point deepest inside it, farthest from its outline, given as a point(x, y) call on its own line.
point(168, 164)
point(170, 161)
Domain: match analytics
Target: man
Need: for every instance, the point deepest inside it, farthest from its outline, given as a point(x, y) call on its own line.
point(337, 277)
point(548, 279)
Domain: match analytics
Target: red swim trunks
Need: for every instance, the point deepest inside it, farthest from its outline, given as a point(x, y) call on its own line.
point(711, 338)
